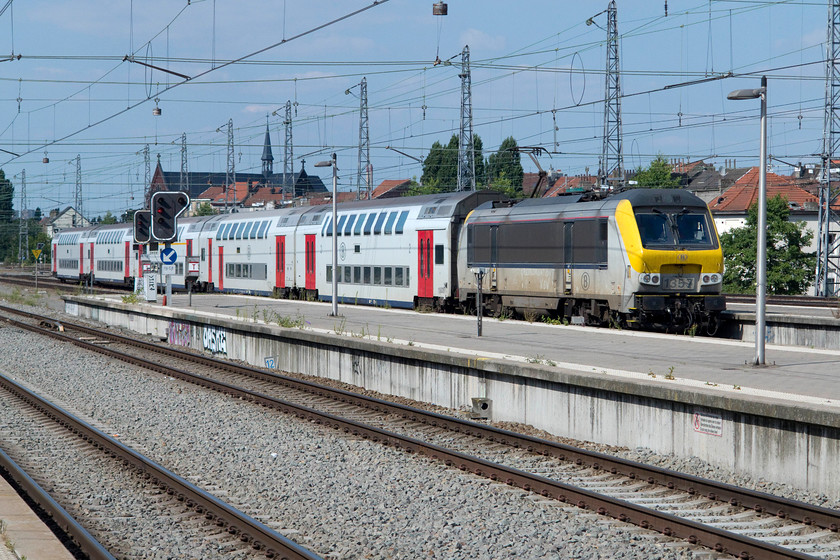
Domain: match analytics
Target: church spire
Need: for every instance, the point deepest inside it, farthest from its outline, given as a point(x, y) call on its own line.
point(267, 158)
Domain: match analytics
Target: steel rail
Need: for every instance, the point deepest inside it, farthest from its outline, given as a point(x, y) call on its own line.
point(716, 491)
point(92, 548)
point(249, 530)
point(719, 540)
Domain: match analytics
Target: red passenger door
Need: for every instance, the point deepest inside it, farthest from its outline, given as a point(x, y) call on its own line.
point(90, 257)
point(280, 261)
point(209, 261)
point(221, 268)
point(127, 258)
point(309, 258)
point(425, 266)
point(55, 257)
point(81, 259)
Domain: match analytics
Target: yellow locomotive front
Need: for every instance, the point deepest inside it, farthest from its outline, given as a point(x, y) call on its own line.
point(674, 261)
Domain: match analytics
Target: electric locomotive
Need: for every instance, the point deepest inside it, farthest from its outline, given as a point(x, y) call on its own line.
point(646, 257)
point(643, 257)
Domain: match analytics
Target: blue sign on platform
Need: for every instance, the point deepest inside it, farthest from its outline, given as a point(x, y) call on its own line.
point(168, 256)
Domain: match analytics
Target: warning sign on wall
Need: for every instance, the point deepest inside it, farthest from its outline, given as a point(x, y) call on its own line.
point(711, 424)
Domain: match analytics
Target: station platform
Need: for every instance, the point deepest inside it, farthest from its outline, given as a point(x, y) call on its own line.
point(791, 373)
point(24, 534)
point(690, 396)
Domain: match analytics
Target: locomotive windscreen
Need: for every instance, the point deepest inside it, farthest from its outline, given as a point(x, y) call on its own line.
point(688, 228)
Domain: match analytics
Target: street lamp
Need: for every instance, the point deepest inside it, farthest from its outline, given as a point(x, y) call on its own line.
point(761, 257)
point(332, 163)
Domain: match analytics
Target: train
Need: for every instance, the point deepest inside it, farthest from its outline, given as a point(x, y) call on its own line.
point(647, 258)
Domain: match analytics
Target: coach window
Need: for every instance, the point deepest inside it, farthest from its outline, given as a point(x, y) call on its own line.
point(348, 228)
point(369, 223)
point(377, 275)
point(407, 277)
point(387, 276)
point(340, 225)
point(377, 229)
point(329, 227)
point(246, 232)
point(202, 254)
point(401, 221)
point(357, 274)
point(398, 276)
point(338, 277)
point(438, 254)
point(357, 248)
point(389, 225)
point(359, 224)
point(329, 273)
point(348, 270)
point(263, 227)
point(230, 232)
point(254, 227)
point(366, 279)
point(237, 271)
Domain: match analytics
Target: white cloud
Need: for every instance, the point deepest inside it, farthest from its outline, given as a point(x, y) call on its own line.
point(480, 41)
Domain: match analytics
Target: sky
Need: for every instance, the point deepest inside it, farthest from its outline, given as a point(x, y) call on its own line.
point(537, 72)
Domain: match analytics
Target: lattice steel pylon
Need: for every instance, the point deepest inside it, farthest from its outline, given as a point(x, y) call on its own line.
point(288, 153)
point(827, 281)
point(611, 164)
point(364, 175)
point(78, 201)
point(184, 182)
point(23, 233)
point(466, 148)
point(230, 172)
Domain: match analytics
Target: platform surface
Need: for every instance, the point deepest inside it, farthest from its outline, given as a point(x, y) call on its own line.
point(792, 374)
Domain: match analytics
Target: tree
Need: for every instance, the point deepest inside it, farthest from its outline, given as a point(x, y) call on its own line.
point(205, 209)
point(657, 175)
point(506, 163)
point(790, 270)
point(108, 218)
point(440, 167)
point(7, 196)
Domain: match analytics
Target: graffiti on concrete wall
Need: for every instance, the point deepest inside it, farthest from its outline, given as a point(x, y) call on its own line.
point(179, 333)
point(215, 340)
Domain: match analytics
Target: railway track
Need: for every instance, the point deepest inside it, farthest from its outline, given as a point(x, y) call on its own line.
point(800, 301)
point(47, 282)
point(51, 442)
point(723, 518)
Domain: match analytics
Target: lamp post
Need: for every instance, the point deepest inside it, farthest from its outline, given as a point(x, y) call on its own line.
point(332, 163)
point(761, 257)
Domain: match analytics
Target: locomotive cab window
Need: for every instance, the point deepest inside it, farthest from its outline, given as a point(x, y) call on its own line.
point(684, 228)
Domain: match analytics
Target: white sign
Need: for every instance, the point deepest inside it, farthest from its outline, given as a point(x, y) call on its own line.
point(150, 287)
point(711, 424)
point(215, 340)
point(167, 269)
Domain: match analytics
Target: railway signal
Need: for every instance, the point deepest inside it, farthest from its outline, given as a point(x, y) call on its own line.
point(142, 226)
point(166, 207)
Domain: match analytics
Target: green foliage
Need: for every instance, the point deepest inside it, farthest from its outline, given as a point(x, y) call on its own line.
point(506, 164)
point(7, 196)
point(108, 218)
point(440, 168)
point(790, 270)
point(657, 175)
point(205, 209)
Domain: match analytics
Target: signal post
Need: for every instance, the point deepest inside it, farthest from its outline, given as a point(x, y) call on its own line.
point(160, 225)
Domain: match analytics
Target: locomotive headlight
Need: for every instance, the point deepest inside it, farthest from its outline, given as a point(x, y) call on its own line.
point(655, 279)
point(715, 278)
point(705, 278)
point(646, 278)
